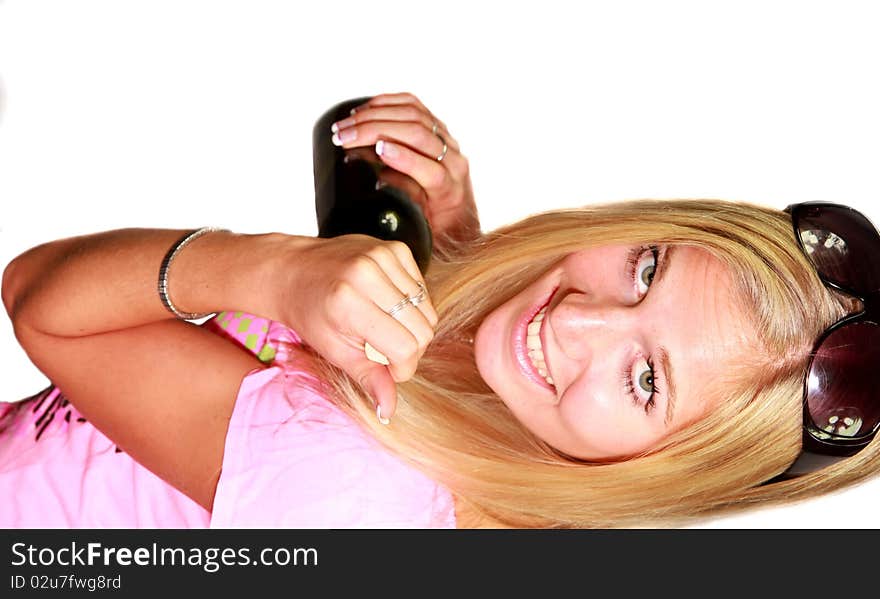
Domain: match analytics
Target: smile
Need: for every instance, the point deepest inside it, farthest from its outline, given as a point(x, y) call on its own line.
point(528, 346)
point(535, 347)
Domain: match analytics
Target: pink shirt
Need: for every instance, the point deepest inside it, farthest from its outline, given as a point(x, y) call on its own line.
point(292, 460)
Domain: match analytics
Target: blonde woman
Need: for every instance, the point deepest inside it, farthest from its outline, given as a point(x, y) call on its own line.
point(634, 364)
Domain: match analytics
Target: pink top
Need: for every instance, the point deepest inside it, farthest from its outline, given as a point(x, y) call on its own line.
point(292, 460)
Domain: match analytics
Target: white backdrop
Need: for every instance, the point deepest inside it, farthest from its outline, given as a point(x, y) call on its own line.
point(176, 113)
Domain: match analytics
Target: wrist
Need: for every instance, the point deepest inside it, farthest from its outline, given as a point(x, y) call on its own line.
point(166, 265)
point(277, 278)
point(225, 271)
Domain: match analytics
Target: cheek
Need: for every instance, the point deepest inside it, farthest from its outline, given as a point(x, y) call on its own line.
point(487, 348)
point(603, 425)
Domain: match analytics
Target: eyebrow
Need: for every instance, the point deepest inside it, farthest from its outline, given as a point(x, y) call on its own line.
point(666, 367)
point(667, 258)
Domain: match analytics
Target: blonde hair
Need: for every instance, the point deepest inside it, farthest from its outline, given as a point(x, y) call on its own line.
point(453, 427)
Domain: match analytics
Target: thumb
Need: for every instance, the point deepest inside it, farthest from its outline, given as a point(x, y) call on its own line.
point(379, 384)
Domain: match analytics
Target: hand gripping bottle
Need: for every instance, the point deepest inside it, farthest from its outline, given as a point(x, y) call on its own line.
point(355, 192)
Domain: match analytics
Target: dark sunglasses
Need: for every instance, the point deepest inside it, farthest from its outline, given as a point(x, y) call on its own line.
point(841, 394)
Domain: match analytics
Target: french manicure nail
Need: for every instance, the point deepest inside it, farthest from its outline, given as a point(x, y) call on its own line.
point(343, 124)
point(385, 421)
point(387, 149)
point(344, 136)
point(375, 355)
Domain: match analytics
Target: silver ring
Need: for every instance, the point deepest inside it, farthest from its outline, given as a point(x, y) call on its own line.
point(445, 148)
point(399, 306)
point(435, 128)
point(413, 300)
point(418, 298)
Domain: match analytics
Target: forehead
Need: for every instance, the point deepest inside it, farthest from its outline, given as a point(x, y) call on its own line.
point(702, 322)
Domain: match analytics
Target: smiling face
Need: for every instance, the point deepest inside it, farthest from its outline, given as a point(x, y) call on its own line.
point(610, 350)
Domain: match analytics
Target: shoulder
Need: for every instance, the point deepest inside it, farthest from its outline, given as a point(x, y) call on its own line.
point(295, 460)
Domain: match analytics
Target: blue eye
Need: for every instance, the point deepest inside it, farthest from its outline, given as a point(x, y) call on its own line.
point(643, 386)
point(642, 266)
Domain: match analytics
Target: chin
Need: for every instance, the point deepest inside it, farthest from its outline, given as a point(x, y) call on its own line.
point(482, 357)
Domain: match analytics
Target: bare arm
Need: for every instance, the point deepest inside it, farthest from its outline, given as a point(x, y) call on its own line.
point(107, 281)
point(86, 311)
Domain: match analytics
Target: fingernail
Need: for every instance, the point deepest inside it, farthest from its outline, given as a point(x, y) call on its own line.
point(387, 149)
point(344, 136)
point(343, 124)
point(385, 421)
point(375, 355)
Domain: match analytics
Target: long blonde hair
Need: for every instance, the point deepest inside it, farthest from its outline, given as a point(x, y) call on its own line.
point(453, 427)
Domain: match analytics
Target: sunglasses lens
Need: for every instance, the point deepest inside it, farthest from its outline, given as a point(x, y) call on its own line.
point(843, 396)
point(842, 245)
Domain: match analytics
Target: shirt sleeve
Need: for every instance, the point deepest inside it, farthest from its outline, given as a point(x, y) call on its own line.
point(251, 332)
point(293, 459)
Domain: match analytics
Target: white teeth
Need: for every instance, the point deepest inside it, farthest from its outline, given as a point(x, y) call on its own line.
point(533, 342)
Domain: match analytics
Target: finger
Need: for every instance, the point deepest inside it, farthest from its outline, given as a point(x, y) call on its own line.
point(402, 336)
point(415, 135)
point(403, 270)
point(377, 382)
point(370, 323)
point(454, 162)
point(412, 133)
point(393, 100)
point(396, 113)
point(435, 177)
point(398, 99)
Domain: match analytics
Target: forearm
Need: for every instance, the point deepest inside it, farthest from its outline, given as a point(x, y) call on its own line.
point(108, 281)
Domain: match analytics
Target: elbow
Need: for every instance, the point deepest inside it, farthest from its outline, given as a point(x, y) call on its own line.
point(12, 288)
point(8, 288)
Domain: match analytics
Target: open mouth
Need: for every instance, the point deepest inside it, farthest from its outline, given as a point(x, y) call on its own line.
point(535, 345)
point(529, 346)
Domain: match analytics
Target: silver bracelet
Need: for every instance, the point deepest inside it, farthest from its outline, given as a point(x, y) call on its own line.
point(166, 264)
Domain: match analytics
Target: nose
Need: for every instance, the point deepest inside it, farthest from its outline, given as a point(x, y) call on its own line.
point(583, 325)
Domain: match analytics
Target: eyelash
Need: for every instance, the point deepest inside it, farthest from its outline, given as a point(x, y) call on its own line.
point(635, 256)
point(632, 263)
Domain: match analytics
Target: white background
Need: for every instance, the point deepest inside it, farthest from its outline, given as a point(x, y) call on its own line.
point(182, 114)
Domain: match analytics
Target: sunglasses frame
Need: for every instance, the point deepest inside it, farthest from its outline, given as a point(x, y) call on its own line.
point(821, 448)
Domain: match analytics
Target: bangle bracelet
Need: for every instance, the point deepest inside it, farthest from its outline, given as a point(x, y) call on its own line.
point(166, 264)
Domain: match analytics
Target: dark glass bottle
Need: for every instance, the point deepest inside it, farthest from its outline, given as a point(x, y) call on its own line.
point(355, 192)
